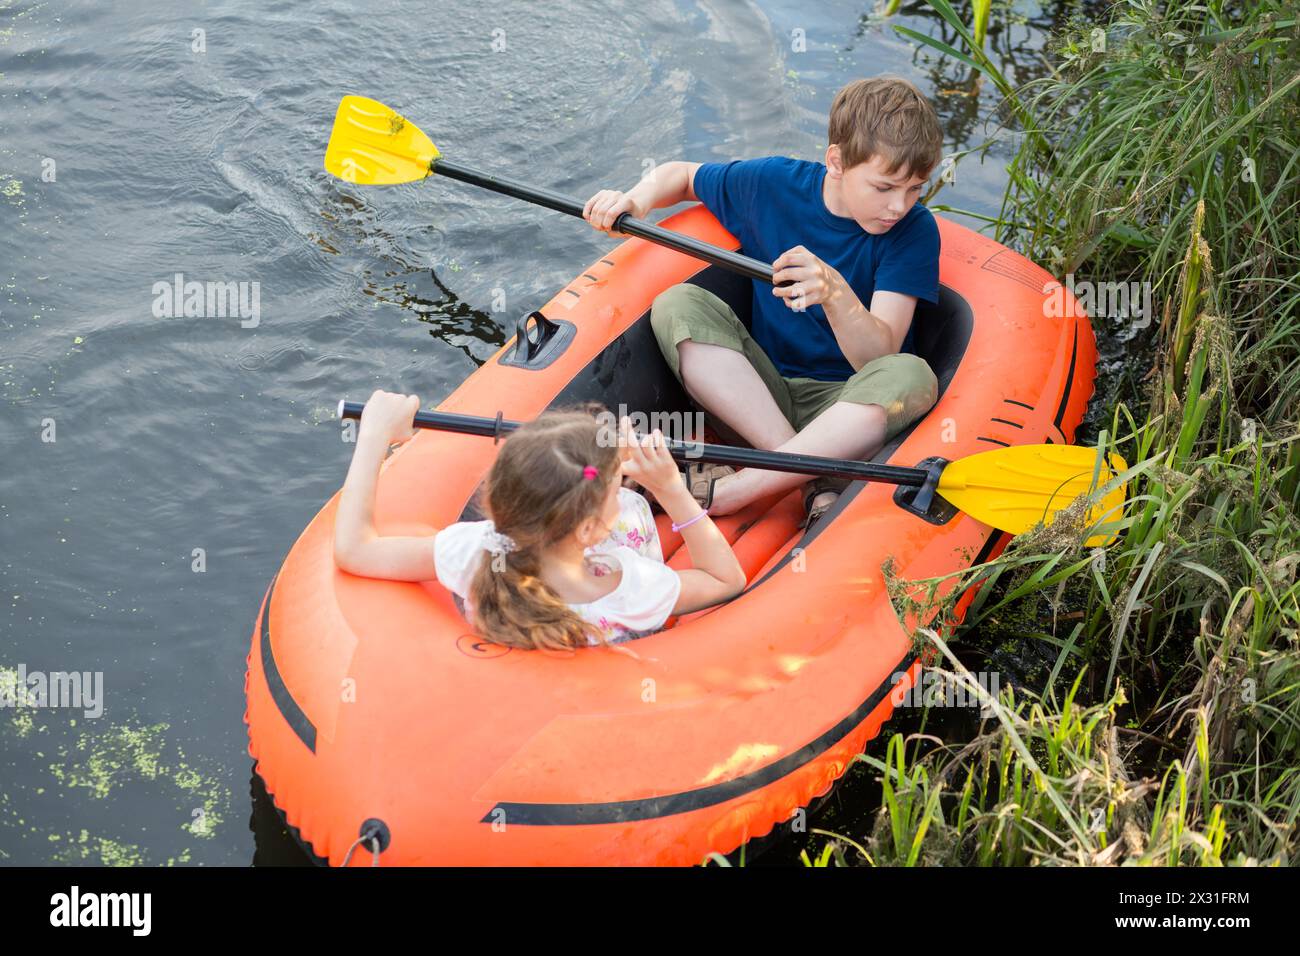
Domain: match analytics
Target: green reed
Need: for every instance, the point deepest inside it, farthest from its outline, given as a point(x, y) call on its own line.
point(1162, 148)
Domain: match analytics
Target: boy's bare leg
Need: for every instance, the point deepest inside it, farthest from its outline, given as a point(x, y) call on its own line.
point(844, 430)
point(728, 387)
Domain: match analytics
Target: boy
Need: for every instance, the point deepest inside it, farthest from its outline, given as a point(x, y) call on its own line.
point(829, 368)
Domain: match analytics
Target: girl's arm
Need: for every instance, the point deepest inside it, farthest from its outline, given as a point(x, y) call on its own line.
point(717, 574)
point(358, 548)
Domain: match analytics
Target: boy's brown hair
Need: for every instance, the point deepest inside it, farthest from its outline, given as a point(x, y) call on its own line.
point(886, 116)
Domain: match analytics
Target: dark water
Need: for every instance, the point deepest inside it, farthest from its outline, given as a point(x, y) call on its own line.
point(128, 156)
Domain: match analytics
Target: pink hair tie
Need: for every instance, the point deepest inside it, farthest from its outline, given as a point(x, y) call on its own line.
point(589, 473)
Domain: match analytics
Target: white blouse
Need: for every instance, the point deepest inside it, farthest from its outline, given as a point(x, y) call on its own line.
point(644, 598)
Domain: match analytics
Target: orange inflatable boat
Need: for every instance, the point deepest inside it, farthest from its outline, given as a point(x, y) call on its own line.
point(387, 731)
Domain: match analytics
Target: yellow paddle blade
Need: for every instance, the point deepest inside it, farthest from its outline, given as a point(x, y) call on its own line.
point(374, 145)
point(1015, 488)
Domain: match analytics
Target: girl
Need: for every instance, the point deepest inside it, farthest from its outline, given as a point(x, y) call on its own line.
point(567, 557)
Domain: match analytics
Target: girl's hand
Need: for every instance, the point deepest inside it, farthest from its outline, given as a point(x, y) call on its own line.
point(390, 416)
point(607, 205)
point(815, 282)
point(648, 461)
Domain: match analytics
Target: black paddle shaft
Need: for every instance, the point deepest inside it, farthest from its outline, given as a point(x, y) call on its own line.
point(625, 223)
point(495, 428)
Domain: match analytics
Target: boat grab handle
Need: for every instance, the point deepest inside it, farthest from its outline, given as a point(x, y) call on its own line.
point(539, 341)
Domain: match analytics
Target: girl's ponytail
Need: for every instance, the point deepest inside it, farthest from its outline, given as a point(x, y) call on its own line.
point(514, 607)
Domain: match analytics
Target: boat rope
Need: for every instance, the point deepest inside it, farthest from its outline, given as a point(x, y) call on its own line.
point(371, 835)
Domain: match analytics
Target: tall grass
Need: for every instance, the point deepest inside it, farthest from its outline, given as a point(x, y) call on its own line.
point(1165, 105)
point(1167, 728)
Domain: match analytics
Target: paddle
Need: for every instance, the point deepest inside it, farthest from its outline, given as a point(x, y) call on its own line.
point(374, 145)
point(1011, 489)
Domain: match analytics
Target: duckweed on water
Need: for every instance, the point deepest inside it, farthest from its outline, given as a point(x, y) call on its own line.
point(109, 762)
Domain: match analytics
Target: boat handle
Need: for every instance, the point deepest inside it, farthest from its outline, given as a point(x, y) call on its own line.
point(527, 347)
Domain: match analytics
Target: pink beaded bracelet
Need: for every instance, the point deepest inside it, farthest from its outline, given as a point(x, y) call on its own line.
point(688, 522)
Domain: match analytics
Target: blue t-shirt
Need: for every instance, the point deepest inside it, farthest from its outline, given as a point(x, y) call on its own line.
point(775, 203)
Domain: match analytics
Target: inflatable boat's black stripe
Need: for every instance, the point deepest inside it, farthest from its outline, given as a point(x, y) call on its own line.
point(580, 814)
point(1012, 401)
point(648, 808)
point(994, 441)
point(989, 545)
point(1005, 422)
point(1069, 380)
point(293, 714)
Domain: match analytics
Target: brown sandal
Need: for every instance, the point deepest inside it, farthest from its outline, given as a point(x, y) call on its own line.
point(700, 479)
point(817, 487)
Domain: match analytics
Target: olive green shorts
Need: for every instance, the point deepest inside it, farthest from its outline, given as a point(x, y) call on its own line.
point(902, 384)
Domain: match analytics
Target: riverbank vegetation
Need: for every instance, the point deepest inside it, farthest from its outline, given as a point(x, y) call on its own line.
point(1163, 725)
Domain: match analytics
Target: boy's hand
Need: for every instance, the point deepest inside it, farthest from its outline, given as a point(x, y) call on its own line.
point(607, 205)
point(815, 283)
point(647, 461)
point(389, 416)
